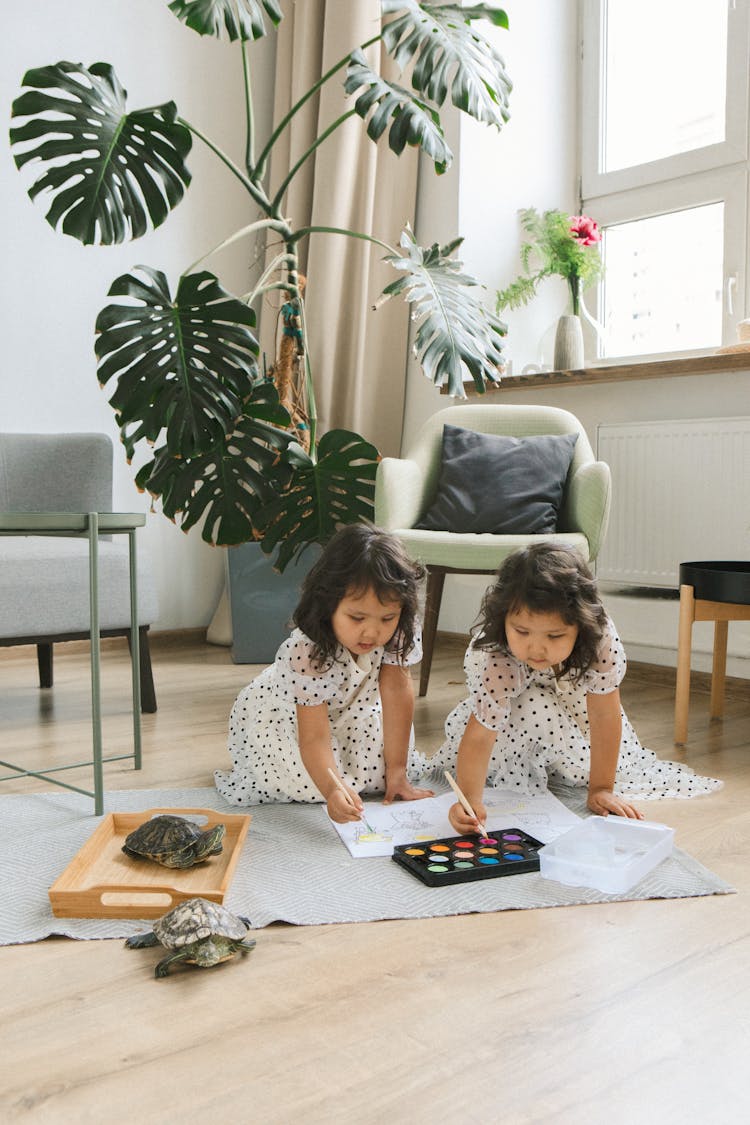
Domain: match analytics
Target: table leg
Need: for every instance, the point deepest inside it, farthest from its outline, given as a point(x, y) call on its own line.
point(96, 697)
point(719, 669)
point(135, 653)
point(684, 644)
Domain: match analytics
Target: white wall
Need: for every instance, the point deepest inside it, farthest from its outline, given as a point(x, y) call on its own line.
point(52, 287)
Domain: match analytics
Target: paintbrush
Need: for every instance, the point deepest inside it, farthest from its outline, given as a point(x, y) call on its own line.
point(464, 802)
point(347, 794)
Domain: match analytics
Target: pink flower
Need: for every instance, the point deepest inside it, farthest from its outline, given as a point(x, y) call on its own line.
point(584, 230)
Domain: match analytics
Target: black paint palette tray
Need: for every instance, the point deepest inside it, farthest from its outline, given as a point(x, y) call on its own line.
point(465, 859)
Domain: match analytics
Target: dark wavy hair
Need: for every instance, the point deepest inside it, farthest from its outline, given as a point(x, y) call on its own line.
point(358, 557)
point(545, 578)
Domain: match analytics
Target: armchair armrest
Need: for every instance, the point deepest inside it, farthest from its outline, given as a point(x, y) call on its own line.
point(588, 502)
point(399, 492)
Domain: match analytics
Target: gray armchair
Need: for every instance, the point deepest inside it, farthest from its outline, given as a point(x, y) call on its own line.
point(44, 582)
point(405, 487)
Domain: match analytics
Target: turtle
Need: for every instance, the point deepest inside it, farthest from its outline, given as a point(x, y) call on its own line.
point(198, 932)
point(173, 841)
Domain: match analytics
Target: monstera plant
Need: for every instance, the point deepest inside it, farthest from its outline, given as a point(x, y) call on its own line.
point(227, 447)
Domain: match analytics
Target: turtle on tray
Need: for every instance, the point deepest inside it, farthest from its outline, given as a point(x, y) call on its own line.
point(173, 841)
point(196, 932)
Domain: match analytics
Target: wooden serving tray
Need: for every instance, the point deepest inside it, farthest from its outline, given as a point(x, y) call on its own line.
point(101, 881)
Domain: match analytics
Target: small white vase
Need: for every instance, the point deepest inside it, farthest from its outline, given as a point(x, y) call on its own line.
point(568, 344)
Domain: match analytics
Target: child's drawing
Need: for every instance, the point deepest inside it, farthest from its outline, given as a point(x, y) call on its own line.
point(412, 820)
point(364, 834)
point(534, 820)
point(384, 826)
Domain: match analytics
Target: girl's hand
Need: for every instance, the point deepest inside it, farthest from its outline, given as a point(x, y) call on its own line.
point(342, 809)
point(604, 801)
point(464, 824)
point(398, 787)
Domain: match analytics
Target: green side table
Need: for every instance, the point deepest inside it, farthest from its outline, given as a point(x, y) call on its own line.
point(89, 525)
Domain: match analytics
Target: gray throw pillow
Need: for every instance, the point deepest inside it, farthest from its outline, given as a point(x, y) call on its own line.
point(501, 485)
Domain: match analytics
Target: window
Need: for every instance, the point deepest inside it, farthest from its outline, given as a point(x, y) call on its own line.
point(665, 169)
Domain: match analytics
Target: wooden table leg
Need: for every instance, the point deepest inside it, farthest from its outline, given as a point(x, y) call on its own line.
point(684, 643)
point(719, 669)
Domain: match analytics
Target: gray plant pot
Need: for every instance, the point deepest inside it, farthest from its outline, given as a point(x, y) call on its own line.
point(262, 601)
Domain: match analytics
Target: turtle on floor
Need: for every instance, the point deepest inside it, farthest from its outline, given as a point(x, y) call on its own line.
point(197, 932)
point(173, 841)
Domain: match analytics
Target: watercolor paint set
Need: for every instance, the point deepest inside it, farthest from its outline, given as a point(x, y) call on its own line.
point(465, 859)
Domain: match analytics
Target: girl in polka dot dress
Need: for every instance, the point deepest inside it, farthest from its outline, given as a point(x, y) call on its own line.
point(338, 698)
point(543, 671)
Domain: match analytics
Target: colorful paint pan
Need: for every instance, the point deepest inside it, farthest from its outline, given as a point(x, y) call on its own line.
point(463, 859)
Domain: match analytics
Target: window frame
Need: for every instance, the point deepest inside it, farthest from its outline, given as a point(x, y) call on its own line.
point(714, 173)
point(728, 186)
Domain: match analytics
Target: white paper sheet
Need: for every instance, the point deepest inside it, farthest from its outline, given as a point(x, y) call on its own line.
point(406, 822)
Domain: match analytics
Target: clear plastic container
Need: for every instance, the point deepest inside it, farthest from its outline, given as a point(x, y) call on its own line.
point(609, 853)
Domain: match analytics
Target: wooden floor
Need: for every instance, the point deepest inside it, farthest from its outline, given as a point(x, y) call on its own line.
point(621, 1012)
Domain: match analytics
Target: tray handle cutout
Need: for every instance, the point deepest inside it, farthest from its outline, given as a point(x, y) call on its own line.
point(165, 897)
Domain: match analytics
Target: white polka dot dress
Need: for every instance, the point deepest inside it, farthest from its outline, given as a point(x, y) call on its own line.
point(542, 728)
point(263, 741)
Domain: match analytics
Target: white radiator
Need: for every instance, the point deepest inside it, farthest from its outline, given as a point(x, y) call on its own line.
point(680, 492)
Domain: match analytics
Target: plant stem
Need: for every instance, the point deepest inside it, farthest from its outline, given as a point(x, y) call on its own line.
point(304, 231)
point(276, 203)
point(251, 186)
point(260, 287)
point(259, 290)
point(574, 283)
point(261, 165)
point(312, 410)
point(249, 114)
point(262, 224)
point(293, 289)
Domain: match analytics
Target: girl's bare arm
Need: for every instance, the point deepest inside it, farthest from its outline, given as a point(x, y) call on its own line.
point(314, 734)
point(605, 732)
point(397, 698)
point(471, 774)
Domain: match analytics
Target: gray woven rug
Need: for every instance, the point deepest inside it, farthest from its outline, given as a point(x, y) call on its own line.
point(293, 868)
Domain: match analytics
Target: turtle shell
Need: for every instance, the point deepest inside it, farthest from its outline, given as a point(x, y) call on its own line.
point(161, 837)
point(196, 920)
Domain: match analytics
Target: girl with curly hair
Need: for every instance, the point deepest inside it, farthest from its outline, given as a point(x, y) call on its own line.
point(543, 671)
point(336, 706)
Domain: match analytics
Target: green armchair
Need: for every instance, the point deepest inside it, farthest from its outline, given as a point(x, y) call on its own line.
point(406, 486)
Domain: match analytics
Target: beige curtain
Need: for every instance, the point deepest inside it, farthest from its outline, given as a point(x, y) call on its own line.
point(358, 356)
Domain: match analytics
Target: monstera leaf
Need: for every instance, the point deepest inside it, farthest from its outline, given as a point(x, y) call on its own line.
point(455, 333)
point(242, 19)
point(110, 172)
point(335, 487)
point(412, 122)
point(228, 484)
point(448, 54)
point(182, 364)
